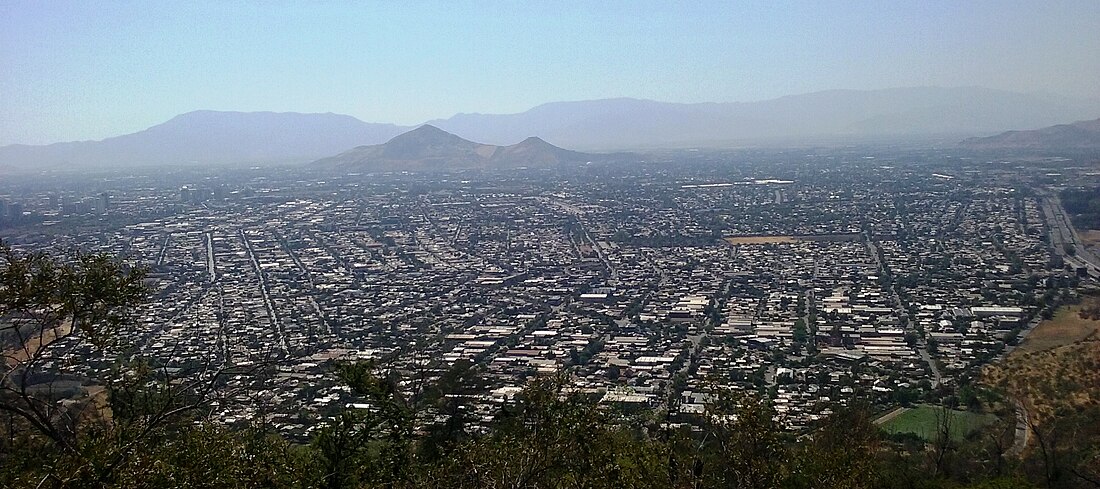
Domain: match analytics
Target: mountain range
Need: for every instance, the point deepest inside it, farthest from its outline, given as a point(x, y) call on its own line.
point(1079, 135)
point(428, 147)
point(209, 137)
point(836, 115)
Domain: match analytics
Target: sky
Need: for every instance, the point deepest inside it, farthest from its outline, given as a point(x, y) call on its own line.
point(89, 70)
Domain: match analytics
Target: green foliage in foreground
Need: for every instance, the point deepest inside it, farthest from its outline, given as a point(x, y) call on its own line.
point(550, 438)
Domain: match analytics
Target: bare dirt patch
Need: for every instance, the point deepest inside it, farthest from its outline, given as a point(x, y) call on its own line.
point(16, 355)
point(1067, 326)
point(743, 240)
point(1091, 237)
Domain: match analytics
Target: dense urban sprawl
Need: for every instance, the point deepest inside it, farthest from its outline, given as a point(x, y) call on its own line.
point(813, 278)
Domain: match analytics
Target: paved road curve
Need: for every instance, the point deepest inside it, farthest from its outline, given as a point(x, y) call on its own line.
point(1023, 431)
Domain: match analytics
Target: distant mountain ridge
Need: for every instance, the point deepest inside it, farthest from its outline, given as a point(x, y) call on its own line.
point(1078, 135)
point(209, 137)
point(428, 148)
point(838, 114)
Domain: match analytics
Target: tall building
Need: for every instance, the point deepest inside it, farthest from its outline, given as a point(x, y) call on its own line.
point(15, 211)
point(103, 203)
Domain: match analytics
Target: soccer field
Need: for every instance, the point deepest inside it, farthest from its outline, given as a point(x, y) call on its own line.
point(923, 420)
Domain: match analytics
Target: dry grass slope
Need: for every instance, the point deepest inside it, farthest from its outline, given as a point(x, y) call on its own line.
point(1067, 327)
point(1057, 369)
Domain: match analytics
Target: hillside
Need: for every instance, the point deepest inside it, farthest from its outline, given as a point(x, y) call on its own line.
point(1078, 135)
point(428, 147)
point(1053, 372)
point(1053, 379)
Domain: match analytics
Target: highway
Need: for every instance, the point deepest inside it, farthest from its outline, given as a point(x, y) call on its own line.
point(1062, 233)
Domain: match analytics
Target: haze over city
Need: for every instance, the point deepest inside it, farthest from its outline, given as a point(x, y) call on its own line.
point(90, 70)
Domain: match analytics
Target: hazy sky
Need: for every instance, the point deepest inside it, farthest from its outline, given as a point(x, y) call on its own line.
point(88, 70)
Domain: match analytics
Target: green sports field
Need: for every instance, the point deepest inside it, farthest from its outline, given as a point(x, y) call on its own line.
point(922, 421)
